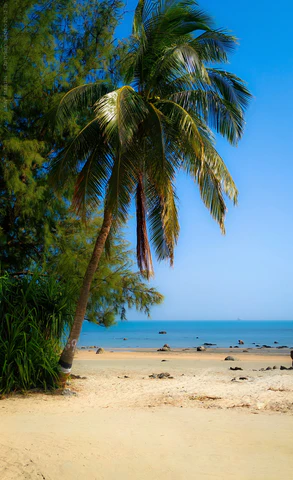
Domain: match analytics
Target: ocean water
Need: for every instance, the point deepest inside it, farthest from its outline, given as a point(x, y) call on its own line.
point(183, 334)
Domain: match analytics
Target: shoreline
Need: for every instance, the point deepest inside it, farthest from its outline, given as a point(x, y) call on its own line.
point(215, 352)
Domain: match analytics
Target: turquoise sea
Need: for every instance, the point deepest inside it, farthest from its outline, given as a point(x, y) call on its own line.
point(183, 334)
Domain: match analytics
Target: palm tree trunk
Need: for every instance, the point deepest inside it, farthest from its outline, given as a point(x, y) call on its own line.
point(67, 355)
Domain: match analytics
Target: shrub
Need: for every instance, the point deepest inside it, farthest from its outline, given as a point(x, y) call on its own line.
point(34, 313)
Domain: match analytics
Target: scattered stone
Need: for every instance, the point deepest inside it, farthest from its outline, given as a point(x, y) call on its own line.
point(283, 346)
point(68, 392)
point(237, 379)
point(126, 376)
point(82, 348)
point(162, 332)
point(261, 369)
point(257, 345)
point(164, 360)
point(253, 343)
point(269, 368)
point(100, 350)
point(244, 351)
point(275, 367)
point(230, 359)
point(201, 349)
point(236, 346)
point(197, 337)
point(236, 368)
point(209, 344)
point(285, 368)
point(230, 346)
point(164, 349)
point(276, 343)
point(266, 346)
point(125, 339)
point(77, 377)
point(160, 375)
point(240, 342)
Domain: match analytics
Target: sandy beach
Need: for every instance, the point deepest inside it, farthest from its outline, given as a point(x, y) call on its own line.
point(203, 419)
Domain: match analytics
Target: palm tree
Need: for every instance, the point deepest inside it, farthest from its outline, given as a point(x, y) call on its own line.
point(144, 132)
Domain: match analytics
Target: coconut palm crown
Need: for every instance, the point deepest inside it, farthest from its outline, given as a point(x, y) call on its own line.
point(160, 121)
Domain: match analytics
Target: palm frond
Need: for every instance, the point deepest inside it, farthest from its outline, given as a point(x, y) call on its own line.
point(231, 87)
point(119, 114)
point(220, 114)
point(214, 45)
point(183, 123)
point(163, 220)
point(79, 98)
point(143, 251)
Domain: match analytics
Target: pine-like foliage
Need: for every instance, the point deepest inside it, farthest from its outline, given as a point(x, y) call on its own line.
point(51, 45)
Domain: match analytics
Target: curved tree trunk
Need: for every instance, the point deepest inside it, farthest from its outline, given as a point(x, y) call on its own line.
point(67, 355)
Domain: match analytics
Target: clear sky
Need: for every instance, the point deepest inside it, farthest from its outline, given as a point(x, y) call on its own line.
point(249, 272)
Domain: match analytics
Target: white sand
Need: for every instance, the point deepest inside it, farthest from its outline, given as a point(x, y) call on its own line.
point(140, 428)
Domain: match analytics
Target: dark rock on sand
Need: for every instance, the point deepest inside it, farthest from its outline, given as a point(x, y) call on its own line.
point(160, 375)
point(164, 360)
point(164, 375)
point(244, 351)
point(236, 368)
point(165, 348)
point(231, 359)
point(275, 367)
point(100, 350)
point(269, 368)
point(237, 379)
point(201, 349)
point(285, 368)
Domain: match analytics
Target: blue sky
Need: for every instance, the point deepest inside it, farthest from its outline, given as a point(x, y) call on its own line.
point(248, 273)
